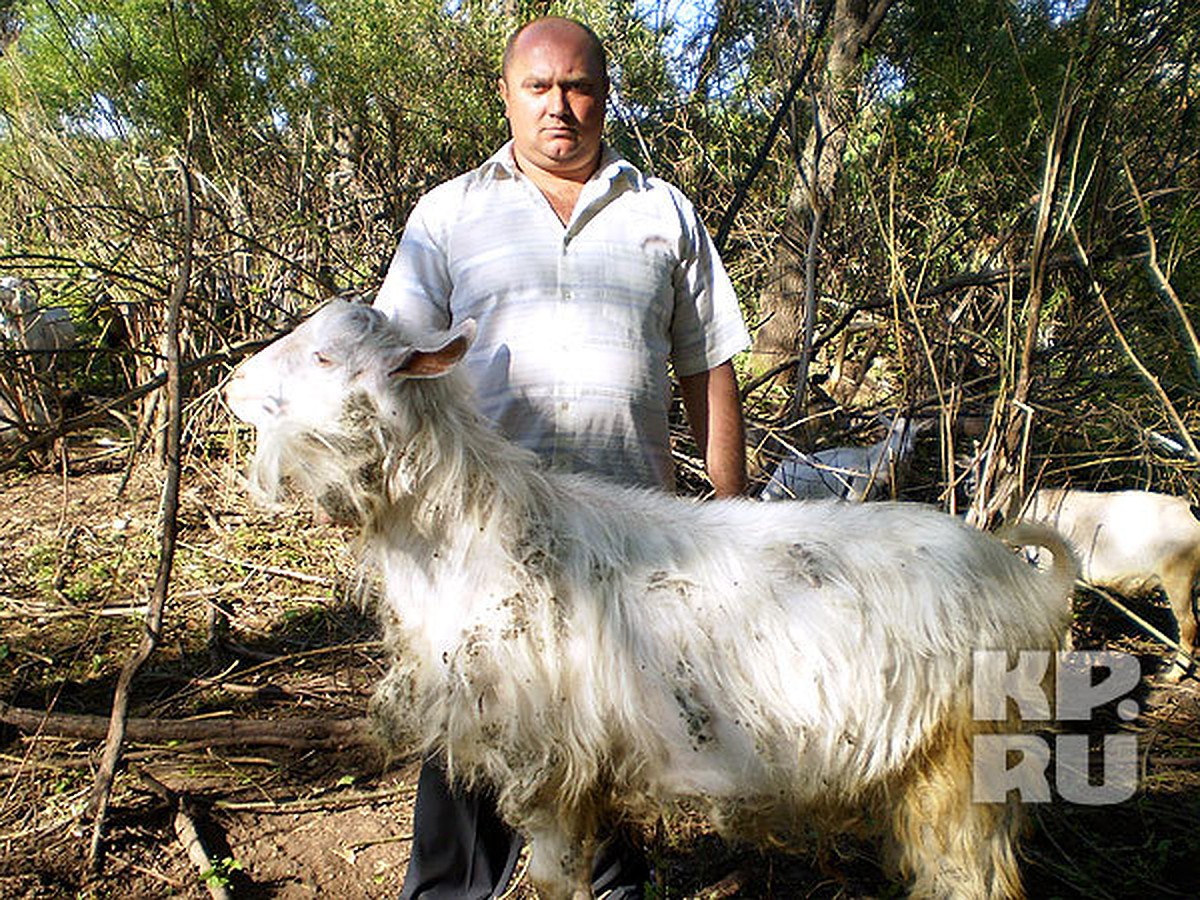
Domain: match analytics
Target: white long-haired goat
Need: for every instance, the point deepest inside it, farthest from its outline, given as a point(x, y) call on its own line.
point(596, 653)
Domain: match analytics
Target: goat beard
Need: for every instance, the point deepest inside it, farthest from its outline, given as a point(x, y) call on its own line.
point(341, 467)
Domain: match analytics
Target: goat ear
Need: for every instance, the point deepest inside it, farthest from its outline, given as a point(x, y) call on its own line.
point(431, 362)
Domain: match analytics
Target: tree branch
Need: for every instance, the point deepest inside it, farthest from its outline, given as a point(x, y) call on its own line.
point(1161, 282)
point(66, 426)
point(1147, 375)
point(781, 114)
point(102, 790)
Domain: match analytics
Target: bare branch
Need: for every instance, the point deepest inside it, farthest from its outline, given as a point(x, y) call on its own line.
point(170, 509)
point(781, 114)
point(1147, 375)
point(1161, 282)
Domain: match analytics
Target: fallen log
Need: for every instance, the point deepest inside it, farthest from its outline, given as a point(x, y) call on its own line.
point(290, 732)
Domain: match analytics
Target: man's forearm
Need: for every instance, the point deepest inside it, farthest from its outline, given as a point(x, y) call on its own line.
point(714, 412)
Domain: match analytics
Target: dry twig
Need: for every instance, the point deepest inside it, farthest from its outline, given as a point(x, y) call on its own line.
point(185, 830)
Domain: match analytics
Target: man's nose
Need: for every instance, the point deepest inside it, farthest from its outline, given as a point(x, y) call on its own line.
point(556, 102)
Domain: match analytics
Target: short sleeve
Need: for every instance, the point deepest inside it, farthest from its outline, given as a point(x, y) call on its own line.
point(707, 327)
point(417, 287)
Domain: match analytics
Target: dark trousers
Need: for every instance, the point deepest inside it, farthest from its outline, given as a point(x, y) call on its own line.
point(462, 850)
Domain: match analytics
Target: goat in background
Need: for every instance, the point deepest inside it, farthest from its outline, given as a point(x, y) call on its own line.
point(30, 331)
point(26, 324)
point(850, 473)
point(1133, 542)
point(596, 653)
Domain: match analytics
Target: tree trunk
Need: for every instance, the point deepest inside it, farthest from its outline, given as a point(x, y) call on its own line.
point(788, 304)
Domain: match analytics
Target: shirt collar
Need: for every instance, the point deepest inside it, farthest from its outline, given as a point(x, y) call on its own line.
point(612, 168)
point(500, 164)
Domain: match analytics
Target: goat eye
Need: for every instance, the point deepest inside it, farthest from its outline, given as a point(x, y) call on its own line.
point(322, 360)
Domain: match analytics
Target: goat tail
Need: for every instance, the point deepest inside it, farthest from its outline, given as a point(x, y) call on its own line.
point(1064, 570)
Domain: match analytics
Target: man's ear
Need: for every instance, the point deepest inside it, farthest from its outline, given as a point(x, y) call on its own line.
point(439, 358)
point(502, 90)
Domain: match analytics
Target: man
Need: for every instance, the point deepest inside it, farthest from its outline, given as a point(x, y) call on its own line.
point(585, 278)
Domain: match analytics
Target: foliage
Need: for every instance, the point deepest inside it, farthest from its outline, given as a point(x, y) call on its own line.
point(158, 68)
point(312, 127)
point(932, 240)
point(220, 875)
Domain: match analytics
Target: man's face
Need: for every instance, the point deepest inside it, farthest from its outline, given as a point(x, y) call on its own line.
point(554, 92)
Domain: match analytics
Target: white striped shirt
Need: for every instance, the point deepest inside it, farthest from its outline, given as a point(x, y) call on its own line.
point(577, 323)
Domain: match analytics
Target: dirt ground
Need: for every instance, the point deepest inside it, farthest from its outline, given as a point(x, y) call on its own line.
point(262, 628)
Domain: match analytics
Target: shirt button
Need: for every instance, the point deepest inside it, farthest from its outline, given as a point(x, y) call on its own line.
point(568, 295)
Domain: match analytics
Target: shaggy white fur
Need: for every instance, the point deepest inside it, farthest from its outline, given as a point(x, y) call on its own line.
point(594, 652)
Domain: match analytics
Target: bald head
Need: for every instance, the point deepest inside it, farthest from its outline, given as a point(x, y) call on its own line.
point(557, 30)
